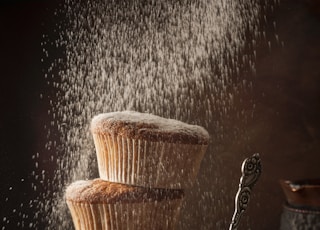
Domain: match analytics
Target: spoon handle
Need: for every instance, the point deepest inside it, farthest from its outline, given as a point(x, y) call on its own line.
point(251, 171)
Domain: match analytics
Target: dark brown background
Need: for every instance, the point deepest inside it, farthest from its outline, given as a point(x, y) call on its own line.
point(285, 128)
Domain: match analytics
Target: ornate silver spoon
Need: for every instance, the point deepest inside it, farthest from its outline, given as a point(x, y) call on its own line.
point(251, 171)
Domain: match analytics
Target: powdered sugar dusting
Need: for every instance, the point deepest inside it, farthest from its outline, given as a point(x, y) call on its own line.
point(176, 59)
point(159, 123)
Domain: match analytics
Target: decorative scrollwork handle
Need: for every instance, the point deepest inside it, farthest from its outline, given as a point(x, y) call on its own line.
point(251, 171)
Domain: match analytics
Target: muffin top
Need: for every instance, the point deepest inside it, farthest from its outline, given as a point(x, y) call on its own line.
point(100, 191)
point(145, 126)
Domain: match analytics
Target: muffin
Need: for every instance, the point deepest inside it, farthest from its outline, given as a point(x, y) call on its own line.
point(98, 204)
point(146, 150)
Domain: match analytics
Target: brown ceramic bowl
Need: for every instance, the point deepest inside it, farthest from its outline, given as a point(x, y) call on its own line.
point(302, 193)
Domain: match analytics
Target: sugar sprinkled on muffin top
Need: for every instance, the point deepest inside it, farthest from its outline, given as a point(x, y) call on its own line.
point(149, 127)
point(101, 191)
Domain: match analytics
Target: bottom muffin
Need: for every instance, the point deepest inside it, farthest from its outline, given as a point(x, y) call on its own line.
point(102, 205)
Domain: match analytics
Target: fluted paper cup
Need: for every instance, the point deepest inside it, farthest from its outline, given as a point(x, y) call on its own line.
point(147, 163)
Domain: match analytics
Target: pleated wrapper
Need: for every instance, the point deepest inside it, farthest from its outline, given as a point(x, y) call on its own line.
point(147, 163)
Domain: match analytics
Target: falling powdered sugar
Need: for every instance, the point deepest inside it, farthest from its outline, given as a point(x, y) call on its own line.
point(175, 59)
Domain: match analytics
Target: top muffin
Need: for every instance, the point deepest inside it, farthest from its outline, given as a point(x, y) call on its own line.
point(144, 126)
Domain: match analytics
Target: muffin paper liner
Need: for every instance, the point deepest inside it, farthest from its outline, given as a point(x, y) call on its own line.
point(147, 164)
point(162, 215)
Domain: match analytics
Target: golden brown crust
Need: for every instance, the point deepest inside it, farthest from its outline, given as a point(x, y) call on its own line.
point(100, 191)
point(148, 127)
